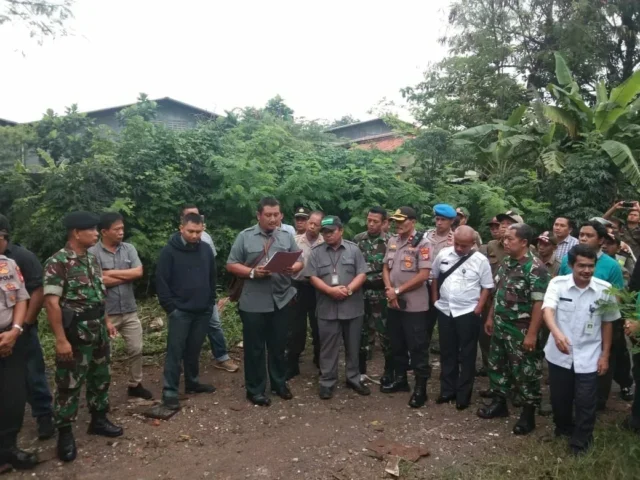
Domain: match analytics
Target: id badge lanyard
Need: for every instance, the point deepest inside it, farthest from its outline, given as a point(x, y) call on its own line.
point(590, 326)
point(335, 279)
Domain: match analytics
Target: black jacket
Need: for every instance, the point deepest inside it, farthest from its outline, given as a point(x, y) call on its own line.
point(186, 276)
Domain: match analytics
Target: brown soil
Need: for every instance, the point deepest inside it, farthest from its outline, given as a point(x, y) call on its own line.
point(222, 436)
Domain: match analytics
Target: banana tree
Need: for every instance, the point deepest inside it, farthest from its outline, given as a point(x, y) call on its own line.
point(566, 127)
point(496, 144)
point(606, 128)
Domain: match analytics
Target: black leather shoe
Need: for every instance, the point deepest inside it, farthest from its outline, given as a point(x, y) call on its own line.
point(359, 388)
point(386, 378)
point(497, 408)
point(171, 403)
point(101, 425)
point(284, 393)
point(445, 399)
point(200, 388)
point(527, 421)
point(626, 394)
point(419, 397)
point(19, 459)
point(46, 430)
point(67, 451)
point(399, 384)
point(261, 399)
point(326, 393)
point(139, 392)
point(462, 406)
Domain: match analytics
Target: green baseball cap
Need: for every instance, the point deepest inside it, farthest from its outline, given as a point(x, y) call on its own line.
point(331, 222)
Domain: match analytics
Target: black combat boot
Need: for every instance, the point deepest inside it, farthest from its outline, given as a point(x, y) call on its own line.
point(527, 421)
point(66, 445)
point(387, 376)
point(100, 425)
point(419, 397)
point(398, 384)
point(497, 408)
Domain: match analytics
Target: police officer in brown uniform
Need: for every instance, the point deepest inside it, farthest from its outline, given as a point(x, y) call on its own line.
point(407, 265)
point(13, 365)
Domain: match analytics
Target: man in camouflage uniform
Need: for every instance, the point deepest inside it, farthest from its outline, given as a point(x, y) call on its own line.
point(515, 356)
point(75, 302)
point(373, 244)
point(494, 251)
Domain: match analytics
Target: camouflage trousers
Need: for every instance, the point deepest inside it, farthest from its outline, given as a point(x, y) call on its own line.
point(510, 366)
point(90, 365)
point(375, 321)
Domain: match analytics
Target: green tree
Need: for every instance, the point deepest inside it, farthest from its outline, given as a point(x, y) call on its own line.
point(502, 51)
point(42, 18)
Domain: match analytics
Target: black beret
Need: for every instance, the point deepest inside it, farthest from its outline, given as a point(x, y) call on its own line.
point(80, 221)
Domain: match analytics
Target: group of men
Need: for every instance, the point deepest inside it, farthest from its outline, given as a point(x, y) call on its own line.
point(507, 296)
point(87, 291)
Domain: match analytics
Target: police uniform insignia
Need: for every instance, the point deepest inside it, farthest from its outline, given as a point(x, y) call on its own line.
point(408, 261)
point(393, 247)
point(20, 277)
point(4, 268)
point(11, 286)
point(424, 253)
point(12, 298)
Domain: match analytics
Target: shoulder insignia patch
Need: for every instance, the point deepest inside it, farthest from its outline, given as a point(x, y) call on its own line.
point(424, 253)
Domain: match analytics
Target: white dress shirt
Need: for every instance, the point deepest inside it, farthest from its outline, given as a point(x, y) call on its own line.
point(461, 290)
point(579, 318)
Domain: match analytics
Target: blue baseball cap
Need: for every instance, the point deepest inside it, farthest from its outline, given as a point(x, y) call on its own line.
point(444, 210)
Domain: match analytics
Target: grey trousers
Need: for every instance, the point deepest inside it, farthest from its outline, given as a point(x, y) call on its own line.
point(330, 332)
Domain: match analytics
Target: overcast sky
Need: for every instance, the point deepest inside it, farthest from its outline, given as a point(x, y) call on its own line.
point(326, 59)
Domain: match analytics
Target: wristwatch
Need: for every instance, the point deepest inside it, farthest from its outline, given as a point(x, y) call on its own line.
point(252, 273)
point(397, 292)
point(349, 291)
point(18, 327)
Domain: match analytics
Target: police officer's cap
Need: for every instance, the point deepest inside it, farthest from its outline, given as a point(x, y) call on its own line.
point(80, 221)
point(330, 222)
point(511, 216)
point(302, 213)
point(547, 237)
point(444, 210)
point(404, 213)
point(463, 211)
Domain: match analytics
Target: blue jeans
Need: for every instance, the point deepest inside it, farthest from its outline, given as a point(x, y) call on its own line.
point(216, 337)
point(187, 331)
point(38, 393)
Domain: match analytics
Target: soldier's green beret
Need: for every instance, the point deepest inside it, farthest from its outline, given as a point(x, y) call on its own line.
point(80, 221)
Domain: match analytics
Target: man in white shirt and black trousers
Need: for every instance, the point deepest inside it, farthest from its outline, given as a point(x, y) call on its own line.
point(460, 287)
point(578, 350)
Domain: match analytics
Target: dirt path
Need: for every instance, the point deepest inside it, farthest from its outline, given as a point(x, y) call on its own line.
point(222, 436)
